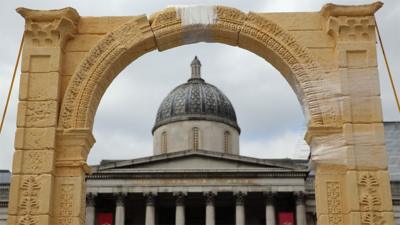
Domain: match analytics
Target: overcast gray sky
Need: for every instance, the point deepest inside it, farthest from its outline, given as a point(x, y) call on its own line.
point(267, 109)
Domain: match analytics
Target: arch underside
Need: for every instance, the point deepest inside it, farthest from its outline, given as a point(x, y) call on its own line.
point(164, 30)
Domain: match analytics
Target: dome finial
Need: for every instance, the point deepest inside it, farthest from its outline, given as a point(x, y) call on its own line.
point(196, 65)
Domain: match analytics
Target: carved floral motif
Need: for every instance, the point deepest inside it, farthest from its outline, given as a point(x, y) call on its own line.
point(30, 202)
point(370, 202)
point(334, 203)
point(49, 28)
point(35, 161)
point(65, 204)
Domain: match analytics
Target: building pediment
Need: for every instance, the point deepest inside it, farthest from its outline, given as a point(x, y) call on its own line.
point(198, 160)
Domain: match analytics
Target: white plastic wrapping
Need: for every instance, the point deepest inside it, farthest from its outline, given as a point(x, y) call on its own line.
point(194, 19)
point(196, 15)
point(360, 145)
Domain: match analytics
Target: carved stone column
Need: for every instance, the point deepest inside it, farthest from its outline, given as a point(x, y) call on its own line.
point(150, 218)
point(70, 186)
point(300, 208)
point(32, 184)
point(210, 208)
point(120, 209)
point(240, 217)
point(90, 209)
point(269, 208)
point(347, 161)
point(180, 208)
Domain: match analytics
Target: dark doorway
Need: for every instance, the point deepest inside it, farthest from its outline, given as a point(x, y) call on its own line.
point(195, 213)
point(225, 209)
point(165, 209)
point(255, 209)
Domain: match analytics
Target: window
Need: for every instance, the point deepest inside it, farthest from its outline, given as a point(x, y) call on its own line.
point(164, 143)
point(227, 140)
point(195, 138)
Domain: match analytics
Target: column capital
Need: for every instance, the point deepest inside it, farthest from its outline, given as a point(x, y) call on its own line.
point(270, 197)
point(331, 9)
point(75, 145)
point(350, 23)
point(180, 197)
point(240, 197)
point(90, 199)
point(300, 197)
point(210, 197)
point(49, 28)
point(120, 198)
point(150, 198)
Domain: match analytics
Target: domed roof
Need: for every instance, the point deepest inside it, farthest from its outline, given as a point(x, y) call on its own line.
point(196, 100)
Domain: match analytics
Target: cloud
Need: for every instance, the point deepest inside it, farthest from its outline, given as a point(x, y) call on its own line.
point(284, 145)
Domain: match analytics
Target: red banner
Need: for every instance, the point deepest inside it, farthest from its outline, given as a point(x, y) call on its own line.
point(286, 218)
point(104, 218)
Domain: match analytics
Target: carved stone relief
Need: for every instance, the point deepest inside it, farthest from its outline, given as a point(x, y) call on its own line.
point(29, 204)
point(370, 202)
point(334, 198)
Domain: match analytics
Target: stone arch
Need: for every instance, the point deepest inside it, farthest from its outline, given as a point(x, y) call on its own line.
point(165, 30)
point(342, 101)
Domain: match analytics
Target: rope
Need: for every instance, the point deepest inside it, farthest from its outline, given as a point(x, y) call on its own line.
point(12, 83)
point(387, 66)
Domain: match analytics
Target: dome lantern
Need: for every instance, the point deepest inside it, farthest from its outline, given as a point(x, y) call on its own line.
point(196, 68)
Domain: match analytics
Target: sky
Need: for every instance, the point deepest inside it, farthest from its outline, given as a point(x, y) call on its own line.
point(267, 109)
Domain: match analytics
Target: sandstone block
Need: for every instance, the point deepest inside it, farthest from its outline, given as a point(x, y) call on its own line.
point(38, 219)
point(356, 54)
point(35, 138)
point(37, 114)
point(366, 109)
point(41, 60)
point(71, 61)
point(69, 193)
point(371, 157)
point(101, 25)
point(33, 162)
point(31, 194)
point(82, 42)
point(39, 86)
point(362, 82)
point(363, 134)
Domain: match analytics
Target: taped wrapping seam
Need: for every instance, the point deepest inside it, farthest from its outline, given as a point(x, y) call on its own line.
point(198, 17)
point(319, 94)
point(346, 101)
point(358, 145)
point(330, 149)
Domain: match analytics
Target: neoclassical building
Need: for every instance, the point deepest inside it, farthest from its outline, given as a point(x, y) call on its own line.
point(197, 176)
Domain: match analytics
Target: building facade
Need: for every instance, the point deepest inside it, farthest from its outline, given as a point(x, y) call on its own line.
point(197, 175)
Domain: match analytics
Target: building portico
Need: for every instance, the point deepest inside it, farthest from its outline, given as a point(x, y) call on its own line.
point(156, 191)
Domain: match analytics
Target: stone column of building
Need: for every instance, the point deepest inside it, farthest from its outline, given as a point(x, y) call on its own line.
point(269, 208)
point(90, 209)
point(210, 208)
point(240, 217)
point(120, 209)
point(300, 209)
point(180, 209)
point(150, 211)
